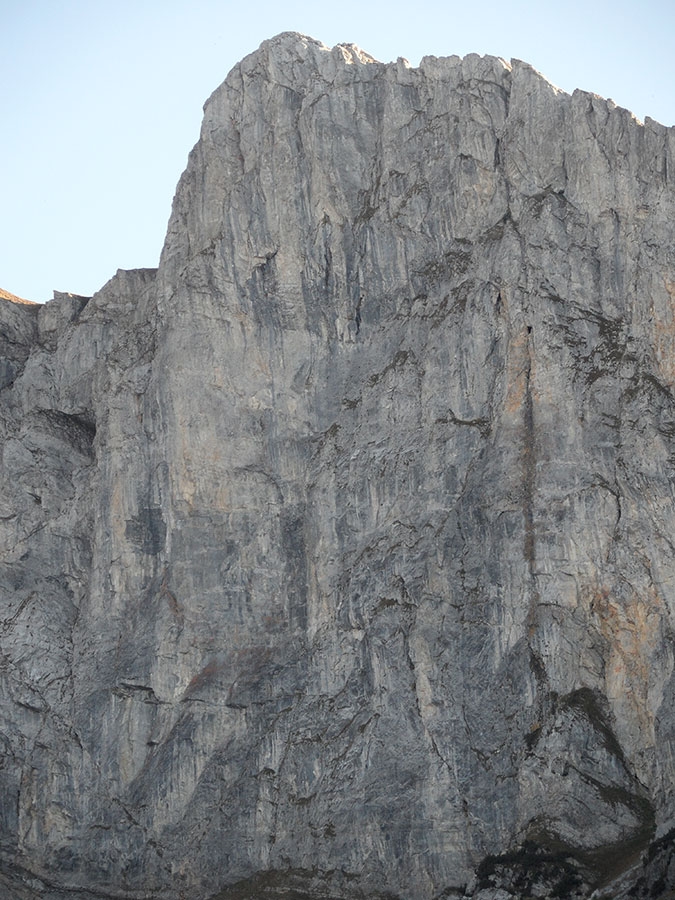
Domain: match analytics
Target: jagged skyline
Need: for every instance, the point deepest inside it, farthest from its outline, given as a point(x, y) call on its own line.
point(102, 104)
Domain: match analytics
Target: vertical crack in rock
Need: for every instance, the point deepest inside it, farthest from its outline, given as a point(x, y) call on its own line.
point(529, 454)
point(529, 463)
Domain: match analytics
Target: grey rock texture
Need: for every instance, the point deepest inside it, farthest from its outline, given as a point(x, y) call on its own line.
point(336, 554)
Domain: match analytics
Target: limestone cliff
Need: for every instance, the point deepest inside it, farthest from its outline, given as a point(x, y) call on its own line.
point(337, 553)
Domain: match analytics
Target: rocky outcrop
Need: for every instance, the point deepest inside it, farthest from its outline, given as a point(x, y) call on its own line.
point(337, 553)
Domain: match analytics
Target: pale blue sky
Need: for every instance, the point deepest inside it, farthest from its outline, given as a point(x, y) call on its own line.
point(100, 102)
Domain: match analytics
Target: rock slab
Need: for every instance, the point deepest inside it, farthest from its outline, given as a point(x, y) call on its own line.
point(337, 553)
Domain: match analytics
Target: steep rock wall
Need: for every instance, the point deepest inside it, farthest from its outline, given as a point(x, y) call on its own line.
point(337, 552)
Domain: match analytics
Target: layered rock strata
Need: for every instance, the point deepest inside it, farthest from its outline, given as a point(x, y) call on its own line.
point(337, 553)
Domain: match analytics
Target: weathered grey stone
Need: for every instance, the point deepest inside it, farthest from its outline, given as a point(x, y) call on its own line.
point(337, 555)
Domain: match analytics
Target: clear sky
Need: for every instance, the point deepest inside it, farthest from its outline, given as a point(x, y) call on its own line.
point(101, 101)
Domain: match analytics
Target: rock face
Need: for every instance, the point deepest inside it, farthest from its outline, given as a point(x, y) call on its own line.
point(337, 553)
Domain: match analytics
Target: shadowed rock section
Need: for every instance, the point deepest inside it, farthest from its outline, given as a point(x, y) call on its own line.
point(337, 553)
